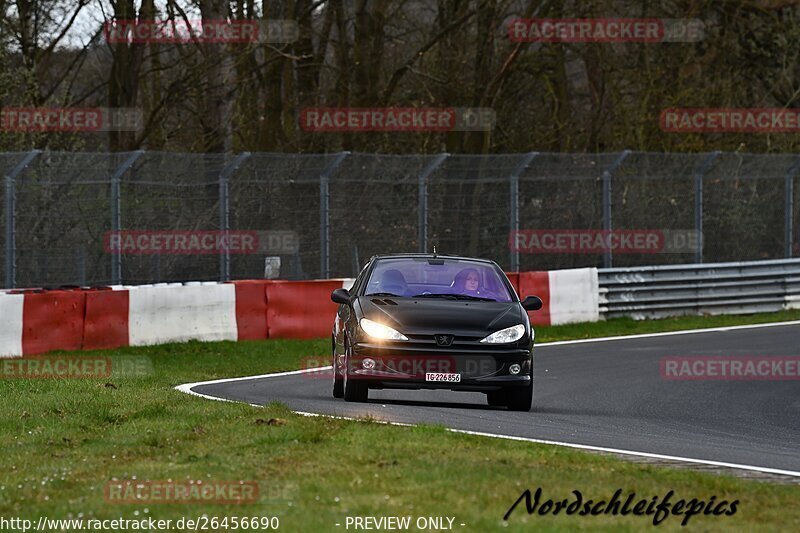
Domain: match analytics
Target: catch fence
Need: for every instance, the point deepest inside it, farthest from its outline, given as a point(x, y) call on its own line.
point(324, 215)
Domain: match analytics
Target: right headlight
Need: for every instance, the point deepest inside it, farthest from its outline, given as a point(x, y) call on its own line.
point(504, 336)
point(379, 331)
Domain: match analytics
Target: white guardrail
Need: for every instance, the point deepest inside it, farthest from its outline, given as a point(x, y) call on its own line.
point(700, 289)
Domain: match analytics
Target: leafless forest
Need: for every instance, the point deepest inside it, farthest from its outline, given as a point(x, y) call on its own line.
point(558, 97)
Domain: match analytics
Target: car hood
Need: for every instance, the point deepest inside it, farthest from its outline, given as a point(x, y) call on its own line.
point(422, 316)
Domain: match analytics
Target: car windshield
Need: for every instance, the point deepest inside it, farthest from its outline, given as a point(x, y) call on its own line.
point(455, 279)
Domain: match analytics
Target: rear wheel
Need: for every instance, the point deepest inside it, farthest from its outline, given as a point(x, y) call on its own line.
point(355, 390)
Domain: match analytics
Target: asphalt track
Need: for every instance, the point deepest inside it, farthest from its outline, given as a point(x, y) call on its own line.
point(606, 393)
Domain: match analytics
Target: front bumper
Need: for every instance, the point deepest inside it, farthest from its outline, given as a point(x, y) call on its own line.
point(482, 369)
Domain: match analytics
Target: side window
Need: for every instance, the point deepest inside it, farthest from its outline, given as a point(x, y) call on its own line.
point(359, 279)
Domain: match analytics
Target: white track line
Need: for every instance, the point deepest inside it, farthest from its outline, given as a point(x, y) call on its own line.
point(187, 388)
point(678, 332)
point(586, 447)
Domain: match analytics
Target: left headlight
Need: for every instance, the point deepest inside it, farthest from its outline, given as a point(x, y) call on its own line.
point(379, 331)
point(514, 333)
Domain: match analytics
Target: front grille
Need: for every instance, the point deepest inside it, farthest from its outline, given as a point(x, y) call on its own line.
point(459, 343)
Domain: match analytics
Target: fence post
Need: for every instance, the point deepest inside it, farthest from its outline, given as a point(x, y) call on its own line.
point(116, 213)
point(513, 218)
point(422, 223)
point(698, 203)
point(11, 217)
point(788, 233)
point(325, 215)
point(82, 266)
point(608, 256)
point(225, 211)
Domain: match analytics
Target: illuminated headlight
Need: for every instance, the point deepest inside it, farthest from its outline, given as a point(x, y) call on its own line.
point(514, 333)
point(379, 331)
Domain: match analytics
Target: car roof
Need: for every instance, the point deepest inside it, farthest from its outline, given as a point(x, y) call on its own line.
point(429, 256)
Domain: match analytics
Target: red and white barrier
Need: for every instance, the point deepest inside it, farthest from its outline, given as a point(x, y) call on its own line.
point(179, 313)
point(39, 321)
point(11, 325)
point(574, 296)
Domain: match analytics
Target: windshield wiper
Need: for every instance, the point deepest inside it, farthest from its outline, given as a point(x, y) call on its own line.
point(384, 294)
point(476, 298)
point(454, 297)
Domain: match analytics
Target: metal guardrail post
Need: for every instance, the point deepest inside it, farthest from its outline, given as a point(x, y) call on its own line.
point(422, 223)
point(11, 217)
point(788, 231)
point(513, 220)
point(324, 215)
point(608, 256)
point(698, 203)
point(116, 213)
point(225, 211)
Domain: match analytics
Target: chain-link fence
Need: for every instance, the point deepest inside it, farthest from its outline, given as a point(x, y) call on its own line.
point(318, 216)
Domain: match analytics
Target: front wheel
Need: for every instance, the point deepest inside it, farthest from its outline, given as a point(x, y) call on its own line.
point(338, 382)
point(520, 398)
point(355, 390)
point(496, 398)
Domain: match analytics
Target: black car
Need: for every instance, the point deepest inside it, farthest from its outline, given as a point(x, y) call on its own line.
point(425, 321)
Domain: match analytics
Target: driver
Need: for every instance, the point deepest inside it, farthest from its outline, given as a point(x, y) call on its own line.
point(468, 282)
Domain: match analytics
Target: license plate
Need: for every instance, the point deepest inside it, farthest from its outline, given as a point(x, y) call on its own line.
point(441, 376)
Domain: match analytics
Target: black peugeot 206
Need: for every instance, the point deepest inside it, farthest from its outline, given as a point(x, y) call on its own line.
point(425, 321)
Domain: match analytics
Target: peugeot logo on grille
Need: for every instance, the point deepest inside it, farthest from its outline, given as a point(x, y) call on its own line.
point(444, 340)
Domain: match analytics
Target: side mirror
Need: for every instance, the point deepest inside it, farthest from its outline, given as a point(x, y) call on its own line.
point(341, 296)
point(532, 303)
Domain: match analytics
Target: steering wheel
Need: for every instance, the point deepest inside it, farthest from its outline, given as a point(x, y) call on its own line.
point(395, 289)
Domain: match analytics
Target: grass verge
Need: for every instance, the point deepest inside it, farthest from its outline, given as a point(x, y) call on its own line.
point(63, 440)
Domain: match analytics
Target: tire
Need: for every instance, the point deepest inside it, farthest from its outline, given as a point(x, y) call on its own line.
point(354, 390)
point(338, 382)
point(496, 398)
point(520, 398)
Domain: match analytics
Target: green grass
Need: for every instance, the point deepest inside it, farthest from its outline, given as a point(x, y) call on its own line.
point(63, 440)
